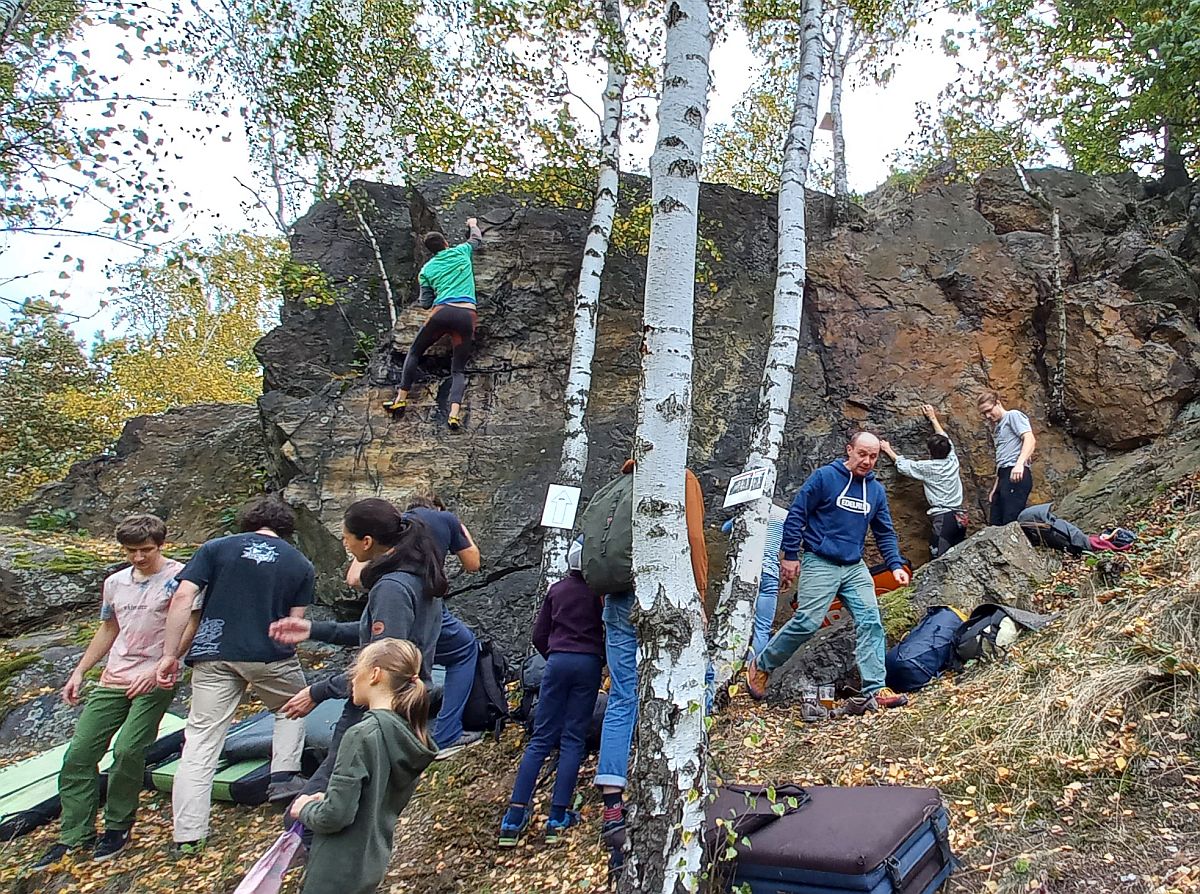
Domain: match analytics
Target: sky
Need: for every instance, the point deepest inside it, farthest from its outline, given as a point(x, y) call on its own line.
point(878, 122)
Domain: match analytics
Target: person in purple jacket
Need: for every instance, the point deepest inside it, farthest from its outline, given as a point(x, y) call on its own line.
point(569, 633)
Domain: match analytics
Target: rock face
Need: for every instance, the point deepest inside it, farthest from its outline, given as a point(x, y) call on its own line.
point(38, 580)
point(942, 297)
point(192, 467)
point(995, 565)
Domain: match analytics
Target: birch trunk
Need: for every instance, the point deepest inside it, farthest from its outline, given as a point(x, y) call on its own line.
point(739, 592)
point(573, 464)
point(666, 812)
point(837, 74)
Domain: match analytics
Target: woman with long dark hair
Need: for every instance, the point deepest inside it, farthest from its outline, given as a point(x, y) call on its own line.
point(405, 584)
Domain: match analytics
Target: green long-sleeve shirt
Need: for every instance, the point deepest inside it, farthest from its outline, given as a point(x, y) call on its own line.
point(374, 776)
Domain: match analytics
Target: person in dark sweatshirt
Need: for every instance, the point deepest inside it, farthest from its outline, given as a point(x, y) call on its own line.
point(829, 520)
point(569, 633)
point(405, 584)
point(374, 776)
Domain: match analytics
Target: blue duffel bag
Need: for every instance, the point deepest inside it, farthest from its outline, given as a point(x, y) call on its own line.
point(926, 651)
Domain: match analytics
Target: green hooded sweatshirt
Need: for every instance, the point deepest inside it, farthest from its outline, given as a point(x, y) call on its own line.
point(374, 775)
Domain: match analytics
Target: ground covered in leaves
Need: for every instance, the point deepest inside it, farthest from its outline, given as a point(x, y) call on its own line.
point(1070, 766)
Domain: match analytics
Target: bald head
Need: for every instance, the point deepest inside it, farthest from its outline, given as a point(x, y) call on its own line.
point(862, 453)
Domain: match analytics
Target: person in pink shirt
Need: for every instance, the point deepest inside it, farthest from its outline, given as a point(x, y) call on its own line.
point(128, 702)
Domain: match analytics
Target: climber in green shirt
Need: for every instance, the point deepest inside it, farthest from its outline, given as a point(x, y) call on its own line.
point(448, 286)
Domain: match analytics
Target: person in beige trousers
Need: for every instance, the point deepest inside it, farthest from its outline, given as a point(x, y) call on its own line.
point(250, 580)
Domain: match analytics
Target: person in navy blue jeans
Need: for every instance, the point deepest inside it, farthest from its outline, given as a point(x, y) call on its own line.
point(457, 648)
point(569, 633)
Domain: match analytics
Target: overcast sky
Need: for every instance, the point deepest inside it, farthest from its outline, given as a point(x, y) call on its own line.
point(878, 121)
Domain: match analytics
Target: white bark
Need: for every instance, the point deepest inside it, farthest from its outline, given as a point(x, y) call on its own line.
point(735, 607)
point(556, 541)
point(1058, 378)
point(667, 807)
point(837, 75)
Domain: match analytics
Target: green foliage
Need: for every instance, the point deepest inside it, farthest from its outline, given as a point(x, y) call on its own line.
point(11, 665)
point(1116, 84)
point(63, 151)
point(52, 520)
point(899, 613)
point(748, 152)
point(70, 560)
point(191, 318)
point(41, 362)
point(965, 142)
point(306, 283)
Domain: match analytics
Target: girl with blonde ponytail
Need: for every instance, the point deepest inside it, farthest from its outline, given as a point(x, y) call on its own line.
point(374, 775)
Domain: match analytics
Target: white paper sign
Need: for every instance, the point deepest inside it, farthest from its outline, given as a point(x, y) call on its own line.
point(561, 505)
point(745, 487)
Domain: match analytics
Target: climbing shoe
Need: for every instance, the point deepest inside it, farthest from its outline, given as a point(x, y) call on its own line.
point(396, 407)
point(556, 827)
point(612, 832)
point(513, 826)
point(455, 423)
point(185, 849)
point(757, 680)
point(56, 853)
point(111, 843)
point(466, 740)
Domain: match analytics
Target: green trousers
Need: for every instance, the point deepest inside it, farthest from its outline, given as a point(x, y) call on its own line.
point(107, 711)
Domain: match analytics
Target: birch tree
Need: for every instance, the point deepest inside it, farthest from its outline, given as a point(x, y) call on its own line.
point(573, 464)
point(667, 809)
point(739, 591)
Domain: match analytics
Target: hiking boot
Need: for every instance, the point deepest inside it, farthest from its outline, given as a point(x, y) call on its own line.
point(512, 828)
point(287, 788)
point(188, 849)
point(555, 828)
point(56, 852)
point(756, 681)
point(886, 698)
point(111, 843)
point(466, 740)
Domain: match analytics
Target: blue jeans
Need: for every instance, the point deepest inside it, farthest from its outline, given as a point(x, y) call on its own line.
point(564, 716)
point(458, 652)
point(620, 717)
point(764, 612)
point(820, 581)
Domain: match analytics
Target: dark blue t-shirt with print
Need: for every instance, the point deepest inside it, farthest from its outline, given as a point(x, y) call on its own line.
point(445, 527)
point(250, 580)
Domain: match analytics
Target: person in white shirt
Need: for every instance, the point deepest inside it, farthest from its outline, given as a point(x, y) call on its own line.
point(943, 485)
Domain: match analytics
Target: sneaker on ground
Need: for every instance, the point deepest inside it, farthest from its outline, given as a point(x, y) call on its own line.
point(510, 834)
point(189, 848)
point(57, 851)
point(466, 740)
point(886, 698)
point(286, 789)
point(757, 680)
point(555, 828)
point(111, 843)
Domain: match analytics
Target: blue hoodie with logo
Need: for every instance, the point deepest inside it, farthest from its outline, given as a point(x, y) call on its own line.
point(831, 514)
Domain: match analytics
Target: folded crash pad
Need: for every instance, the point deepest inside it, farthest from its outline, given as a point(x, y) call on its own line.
point(29, 788)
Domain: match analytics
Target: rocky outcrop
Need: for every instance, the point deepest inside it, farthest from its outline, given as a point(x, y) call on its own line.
point(192, 467)
point(943, 295)
point(995, 565)
point(41, 579)
point(940, 298)
point(1114, 487)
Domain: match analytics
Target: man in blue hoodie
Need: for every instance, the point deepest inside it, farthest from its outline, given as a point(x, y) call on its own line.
point(828, 522)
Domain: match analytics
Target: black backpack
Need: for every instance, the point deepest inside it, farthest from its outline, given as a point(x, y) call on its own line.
point(487, 705)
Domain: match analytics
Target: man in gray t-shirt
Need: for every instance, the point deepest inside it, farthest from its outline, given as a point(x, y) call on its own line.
point(1015, 443)
point(943, 485)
